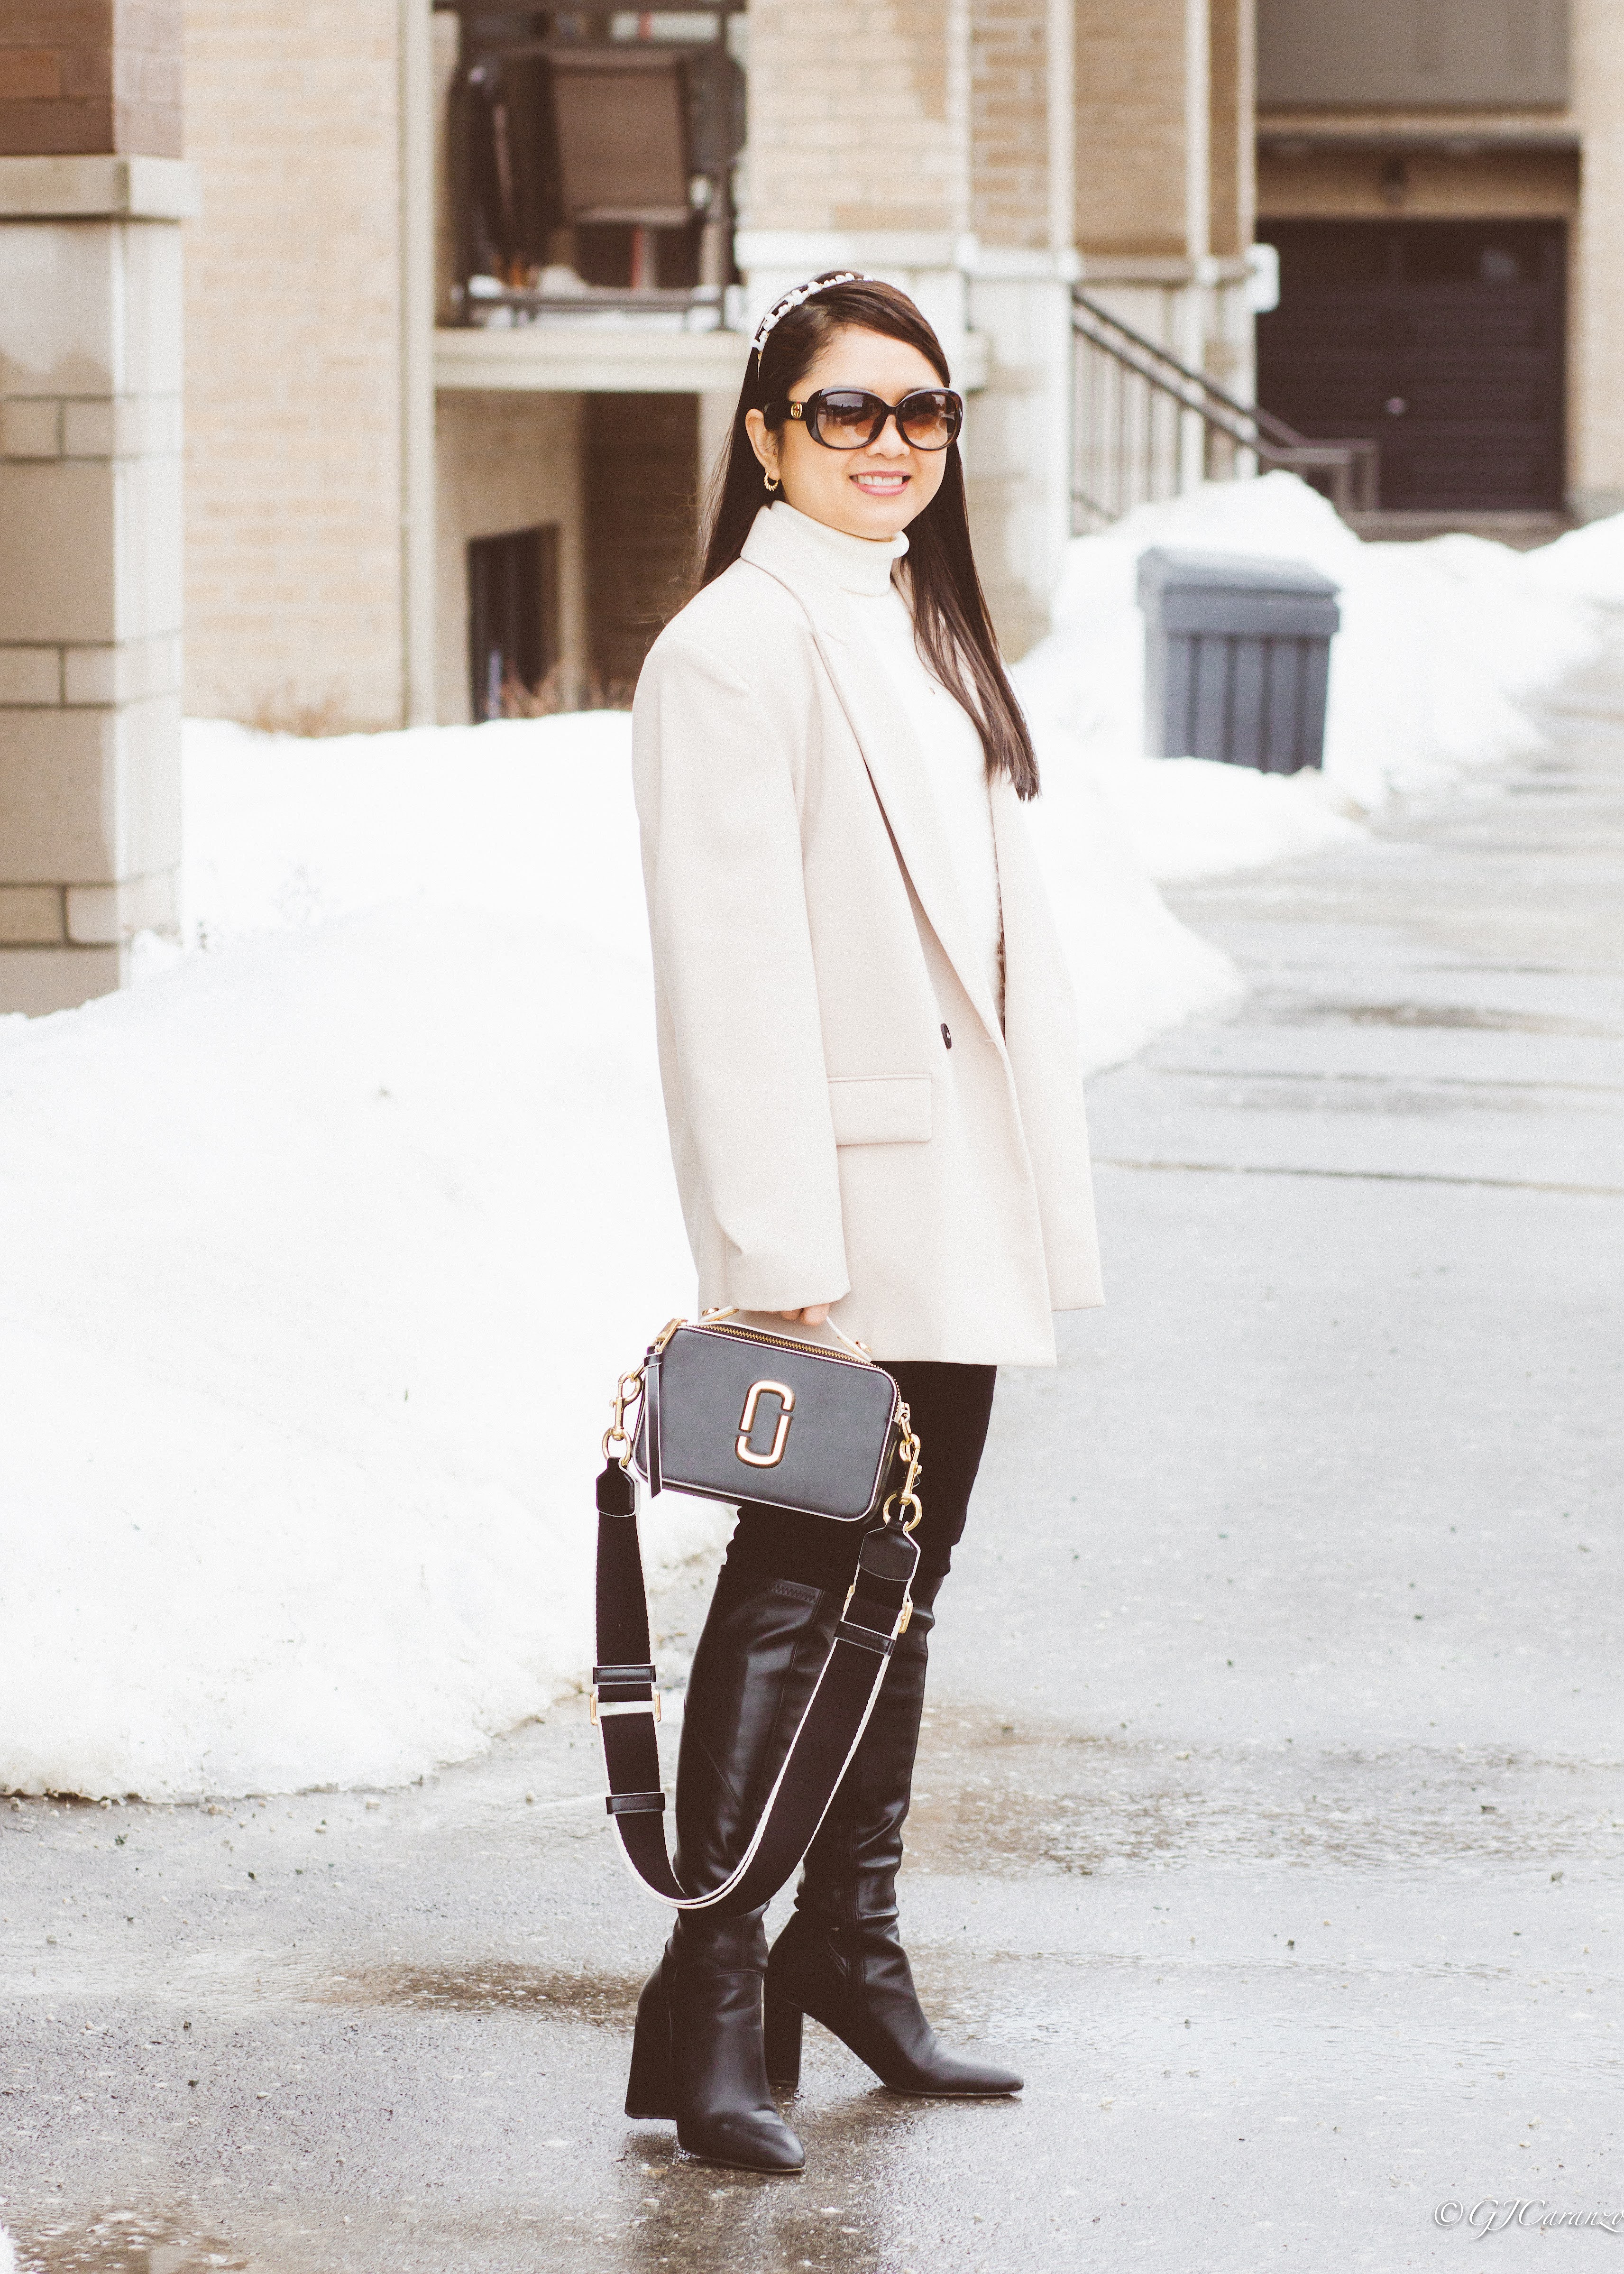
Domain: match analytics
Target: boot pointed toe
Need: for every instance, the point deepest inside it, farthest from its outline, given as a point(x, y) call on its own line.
point(746, 2140)
point(947, 2077)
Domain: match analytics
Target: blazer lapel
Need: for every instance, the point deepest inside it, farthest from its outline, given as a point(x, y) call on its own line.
point(897, 765)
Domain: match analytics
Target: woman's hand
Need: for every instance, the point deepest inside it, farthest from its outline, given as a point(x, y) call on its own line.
point(815, 1315)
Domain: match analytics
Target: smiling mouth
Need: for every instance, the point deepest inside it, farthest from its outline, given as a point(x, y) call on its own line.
point(882, 485)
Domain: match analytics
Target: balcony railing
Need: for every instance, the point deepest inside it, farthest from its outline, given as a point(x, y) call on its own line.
point(1147, 426)
point(590, 173)
point(696, 308)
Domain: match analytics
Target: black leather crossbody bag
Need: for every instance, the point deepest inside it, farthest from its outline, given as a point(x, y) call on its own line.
point(733, 1412)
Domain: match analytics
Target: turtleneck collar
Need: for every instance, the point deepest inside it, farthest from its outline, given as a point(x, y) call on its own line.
point(858, 564)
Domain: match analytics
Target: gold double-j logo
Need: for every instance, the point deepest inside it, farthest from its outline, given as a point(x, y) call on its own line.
point(774, 1454)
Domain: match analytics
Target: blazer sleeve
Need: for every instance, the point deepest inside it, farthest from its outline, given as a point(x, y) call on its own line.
point(732, 952)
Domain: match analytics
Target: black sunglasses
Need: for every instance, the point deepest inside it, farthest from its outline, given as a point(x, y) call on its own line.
point(849, 418)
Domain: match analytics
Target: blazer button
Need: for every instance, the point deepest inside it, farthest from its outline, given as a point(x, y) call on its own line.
point(947, 1034)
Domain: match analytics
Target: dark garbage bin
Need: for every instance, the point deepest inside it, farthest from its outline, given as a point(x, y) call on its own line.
point(1237, 655)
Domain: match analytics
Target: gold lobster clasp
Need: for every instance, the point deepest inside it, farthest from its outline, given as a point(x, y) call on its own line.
point(907, 1497)
point(627, 1392)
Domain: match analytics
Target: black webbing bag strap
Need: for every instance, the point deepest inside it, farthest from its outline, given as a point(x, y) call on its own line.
point(626, 1708)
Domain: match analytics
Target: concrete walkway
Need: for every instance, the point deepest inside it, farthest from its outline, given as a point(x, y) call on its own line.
point(1270, 1813)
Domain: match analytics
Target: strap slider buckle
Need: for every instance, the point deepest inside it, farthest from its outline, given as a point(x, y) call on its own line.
point(599, 1713)
point(901, 1627)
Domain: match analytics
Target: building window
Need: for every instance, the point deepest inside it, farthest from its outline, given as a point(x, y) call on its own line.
point(513, 619)
point(596, 162)
point(1412, 54)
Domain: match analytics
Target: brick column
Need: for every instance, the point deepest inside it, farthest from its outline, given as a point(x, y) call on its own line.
point(1017, 443)
point(91, 190)
point(1233, 206)
point(1597, 327)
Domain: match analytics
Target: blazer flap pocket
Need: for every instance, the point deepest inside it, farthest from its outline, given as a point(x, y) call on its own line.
point(881, 1108)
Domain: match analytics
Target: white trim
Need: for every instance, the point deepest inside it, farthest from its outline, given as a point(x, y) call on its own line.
point(585, 358)
point(1011, 264)
point(1190, 319)
point(1160, 268)
point(417, 321)
point(971, 366)
point(1198, 128)
point(98, 189)
point(956, 32)
point(1062, 125)
point(808, 250)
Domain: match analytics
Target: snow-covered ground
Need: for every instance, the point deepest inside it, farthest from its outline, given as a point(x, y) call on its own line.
point(323, 1249)
point(326, 1242)
point(1441, 644)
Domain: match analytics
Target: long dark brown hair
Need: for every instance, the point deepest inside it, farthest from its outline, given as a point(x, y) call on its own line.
point(951, 626)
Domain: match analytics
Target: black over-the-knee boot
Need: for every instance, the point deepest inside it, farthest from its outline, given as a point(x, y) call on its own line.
point(698, 2053)
point(839, 1957)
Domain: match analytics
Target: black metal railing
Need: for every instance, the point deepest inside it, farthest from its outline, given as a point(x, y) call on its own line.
point(1146, 426)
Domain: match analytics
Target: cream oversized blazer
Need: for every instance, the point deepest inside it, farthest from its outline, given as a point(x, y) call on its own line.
point(812, 956)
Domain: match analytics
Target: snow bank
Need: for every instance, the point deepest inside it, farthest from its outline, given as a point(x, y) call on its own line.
point(1441, 644)
point(1587, 564)
point(323, 1251)
point(326, 1242)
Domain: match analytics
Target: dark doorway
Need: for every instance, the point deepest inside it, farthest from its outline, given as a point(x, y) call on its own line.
point(513, 618)
point(1441, 341)
point(640, 511)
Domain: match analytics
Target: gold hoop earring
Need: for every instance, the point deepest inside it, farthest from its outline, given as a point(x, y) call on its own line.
point(770, 482)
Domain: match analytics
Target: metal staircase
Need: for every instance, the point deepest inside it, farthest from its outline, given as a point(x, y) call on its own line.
point(1147, 426)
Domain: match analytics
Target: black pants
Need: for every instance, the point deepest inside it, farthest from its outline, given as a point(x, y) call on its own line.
point(951, 1406)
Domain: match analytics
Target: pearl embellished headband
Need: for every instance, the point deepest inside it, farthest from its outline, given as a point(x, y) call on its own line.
point(793, 300)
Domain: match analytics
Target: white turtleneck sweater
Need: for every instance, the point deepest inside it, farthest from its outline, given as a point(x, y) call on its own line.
point(952, 748)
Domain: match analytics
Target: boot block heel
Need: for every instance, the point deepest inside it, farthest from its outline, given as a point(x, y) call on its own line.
point(781, 2030)
point(650, 2091)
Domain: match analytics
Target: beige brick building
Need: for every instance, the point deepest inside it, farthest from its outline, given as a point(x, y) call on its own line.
point(467, 290)
point(296, 387)
point(92, 197)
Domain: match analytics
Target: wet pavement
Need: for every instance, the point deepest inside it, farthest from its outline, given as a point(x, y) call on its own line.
point(1276, 1702)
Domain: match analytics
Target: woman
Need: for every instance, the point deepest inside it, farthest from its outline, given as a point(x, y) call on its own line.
point(869, 1054)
